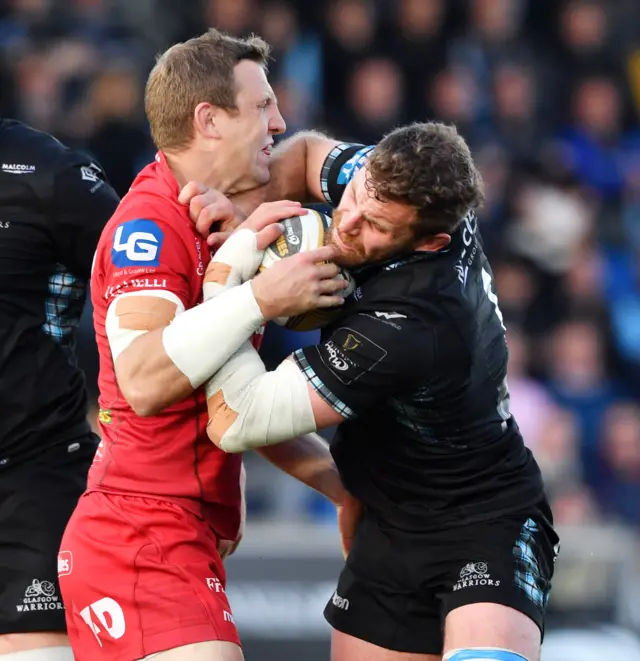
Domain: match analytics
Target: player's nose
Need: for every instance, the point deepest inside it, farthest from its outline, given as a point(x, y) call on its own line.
point(277, 124)
point(350, 223)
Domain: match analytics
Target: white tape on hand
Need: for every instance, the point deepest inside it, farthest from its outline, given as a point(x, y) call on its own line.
point(233, 264)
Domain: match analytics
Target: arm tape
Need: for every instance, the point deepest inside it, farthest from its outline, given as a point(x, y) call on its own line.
point(202, 339)
point(234, 263)
point(147, 309)
point(250, 407)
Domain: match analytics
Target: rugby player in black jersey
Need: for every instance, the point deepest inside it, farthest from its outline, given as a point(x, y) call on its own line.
point(54, 202)
point(454, 553)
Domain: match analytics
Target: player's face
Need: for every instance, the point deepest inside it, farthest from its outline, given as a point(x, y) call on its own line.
point(366, 230)
point(248, 134)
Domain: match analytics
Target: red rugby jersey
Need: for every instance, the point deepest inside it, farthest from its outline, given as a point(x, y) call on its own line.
point(150, 243)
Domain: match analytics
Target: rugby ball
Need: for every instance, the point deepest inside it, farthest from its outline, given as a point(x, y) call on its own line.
point(303, 233)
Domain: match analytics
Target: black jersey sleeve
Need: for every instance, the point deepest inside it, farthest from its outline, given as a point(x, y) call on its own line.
point(369, 357)
point(341, 164)
point(83, 202)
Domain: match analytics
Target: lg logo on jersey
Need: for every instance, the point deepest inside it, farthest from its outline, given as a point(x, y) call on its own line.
point(105, 613)
point(137, 243)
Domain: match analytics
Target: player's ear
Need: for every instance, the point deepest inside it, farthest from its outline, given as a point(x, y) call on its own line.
point(205, 121)
point(435, 242)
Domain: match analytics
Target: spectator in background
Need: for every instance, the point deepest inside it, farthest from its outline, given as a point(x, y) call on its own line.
point(297, 55)
point(349, 34)
point(618, 486)
point(584, 45)
point(597, 149)
point(237, 17)
point(530, 403)
point(515, 116)
point(579, 381)
point(415, 39)
point(116, 135)
point(574, 505)
point(493, 37)
point(558, 450)
point(376, 90)
point(453, 98)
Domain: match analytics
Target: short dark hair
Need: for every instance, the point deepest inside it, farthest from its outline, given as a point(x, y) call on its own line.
point(201, 69)
point(428, 166)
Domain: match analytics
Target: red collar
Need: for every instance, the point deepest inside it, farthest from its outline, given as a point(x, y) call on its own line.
point(166, 174)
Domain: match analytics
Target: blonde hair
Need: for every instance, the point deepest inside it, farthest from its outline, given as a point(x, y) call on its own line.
point(196, 71)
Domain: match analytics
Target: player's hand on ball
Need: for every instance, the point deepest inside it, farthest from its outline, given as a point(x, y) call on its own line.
point(208, 206)
point(243, 251)
point(264, 220)
point(298, 284)
point(349, 514)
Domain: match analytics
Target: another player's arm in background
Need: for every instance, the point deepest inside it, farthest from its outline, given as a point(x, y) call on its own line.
point(308, 459)
point(83, 201)
point(296, 168)
point(162, 351)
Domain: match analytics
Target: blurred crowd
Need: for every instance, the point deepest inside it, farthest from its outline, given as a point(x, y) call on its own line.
point(547, 93)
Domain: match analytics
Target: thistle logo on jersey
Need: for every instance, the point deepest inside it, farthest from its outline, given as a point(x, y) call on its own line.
point(137, 243)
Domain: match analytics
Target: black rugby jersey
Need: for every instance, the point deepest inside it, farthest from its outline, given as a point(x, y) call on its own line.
point(54, 202)
point(417, 364)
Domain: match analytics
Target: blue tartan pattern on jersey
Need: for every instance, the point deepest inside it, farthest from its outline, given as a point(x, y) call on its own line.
point(63, 307)
point(334, 402)
point(527, 575)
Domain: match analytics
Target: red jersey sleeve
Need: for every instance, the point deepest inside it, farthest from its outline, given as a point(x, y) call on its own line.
point(145, 254)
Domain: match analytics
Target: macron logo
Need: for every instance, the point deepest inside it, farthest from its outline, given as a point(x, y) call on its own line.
point(390, 315)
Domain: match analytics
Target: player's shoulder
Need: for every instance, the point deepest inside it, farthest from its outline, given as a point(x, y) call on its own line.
point(29, 151)
point(150, 205)
point(149, 228)
point(405, 283)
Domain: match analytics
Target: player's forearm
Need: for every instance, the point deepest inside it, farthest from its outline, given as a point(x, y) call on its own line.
point(308, 460)
point(295, 172)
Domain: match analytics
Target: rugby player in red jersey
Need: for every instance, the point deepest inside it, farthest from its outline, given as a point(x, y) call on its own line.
point(140, 563)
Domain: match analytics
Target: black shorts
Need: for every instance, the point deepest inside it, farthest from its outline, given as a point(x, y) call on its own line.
point(397, 588)
point(36, 501)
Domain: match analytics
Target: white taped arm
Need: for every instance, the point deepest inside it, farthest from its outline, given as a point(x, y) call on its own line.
point(126, 320)
point(202, 339)
point(250, 407)
point(159, 368)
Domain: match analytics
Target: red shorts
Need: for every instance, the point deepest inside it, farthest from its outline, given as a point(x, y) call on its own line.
point(139, 576)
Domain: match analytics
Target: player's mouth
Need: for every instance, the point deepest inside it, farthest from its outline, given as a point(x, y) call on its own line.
point(267, 150)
